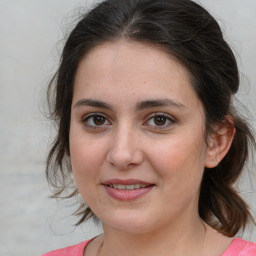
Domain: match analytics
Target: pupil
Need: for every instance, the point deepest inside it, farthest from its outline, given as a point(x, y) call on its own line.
point(98, 120)
point(160, 120)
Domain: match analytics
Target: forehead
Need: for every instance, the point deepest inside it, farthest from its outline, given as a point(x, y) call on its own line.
point(124, 58)
point(140, 69)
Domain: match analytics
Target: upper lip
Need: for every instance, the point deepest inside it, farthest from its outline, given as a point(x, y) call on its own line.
point(126, 182)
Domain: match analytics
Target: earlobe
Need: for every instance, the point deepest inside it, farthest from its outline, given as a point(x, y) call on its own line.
point(219, 142)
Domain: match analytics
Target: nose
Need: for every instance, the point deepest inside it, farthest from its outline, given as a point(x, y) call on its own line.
point(126, 150)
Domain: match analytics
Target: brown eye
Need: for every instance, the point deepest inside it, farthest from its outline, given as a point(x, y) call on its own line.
point(95, 120)
point(160, 120)
point(98, 120)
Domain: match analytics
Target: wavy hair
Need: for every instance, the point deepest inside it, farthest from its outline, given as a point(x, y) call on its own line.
point(187, 31)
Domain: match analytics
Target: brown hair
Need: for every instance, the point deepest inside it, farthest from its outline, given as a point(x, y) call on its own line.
point(187, 31)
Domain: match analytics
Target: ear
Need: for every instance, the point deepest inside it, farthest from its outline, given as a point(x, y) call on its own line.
point(219, 142)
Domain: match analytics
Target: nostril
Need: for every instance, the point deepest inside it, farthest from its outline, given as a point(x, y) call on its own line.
point(124, 159)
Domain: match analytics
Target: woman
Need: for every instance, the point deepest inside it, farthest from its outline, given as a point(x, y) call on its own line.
point(147, 127)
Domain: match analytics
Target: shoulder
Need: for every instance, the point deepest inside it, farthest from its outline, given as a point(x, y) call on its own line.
point(75, 250)
point(240, 247)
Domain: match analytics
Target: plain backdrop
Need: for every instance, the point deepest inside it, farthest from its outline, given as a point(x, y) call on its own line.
point(31, 34)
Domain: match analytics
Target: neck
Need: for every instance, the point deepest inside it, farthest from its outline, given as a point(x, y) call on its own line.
point(178, 239)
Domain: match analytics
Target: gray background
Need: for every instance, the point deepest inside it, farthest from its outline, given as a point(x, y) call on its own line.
point(30, 42)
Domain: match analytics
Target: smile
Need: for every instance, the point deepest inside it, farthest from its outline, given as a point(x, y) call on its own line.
point(127, 190)
point(127, 187)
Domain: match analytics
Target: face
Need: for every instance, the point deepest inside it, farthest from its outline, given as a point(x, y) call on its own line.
point(137, 139)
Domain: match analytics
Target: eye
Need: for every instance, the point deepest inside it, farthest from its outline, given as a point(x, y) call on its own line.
point(160, 120)
point(95, 120)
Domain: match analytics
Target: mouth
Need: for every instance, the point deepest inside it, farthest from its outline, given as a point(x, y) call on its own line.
point(127, 187)
point(127, 190)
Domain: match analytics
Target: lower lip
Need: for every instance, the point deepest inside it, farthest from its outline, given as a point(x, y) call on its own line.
point(127, 195)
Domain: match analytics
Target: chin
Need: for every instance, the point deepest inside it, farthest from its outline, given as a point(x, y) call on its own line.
point(129, 223)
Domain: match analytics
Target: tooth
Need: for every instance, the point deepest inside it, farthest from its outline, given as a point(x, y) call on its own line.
point(129, 187)
point(119, 186)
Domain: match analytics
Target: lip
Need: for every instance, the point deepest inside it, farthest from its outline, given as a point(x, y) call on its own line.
point(127, 195)
point(126, 182)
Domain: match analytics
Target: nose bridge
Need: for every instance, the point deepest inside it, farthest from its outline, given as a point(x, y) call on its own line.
point(125, 151)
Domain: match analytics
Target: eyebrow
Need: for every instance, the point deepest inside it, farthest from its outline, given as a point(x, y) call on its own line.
point(151, 103)
point(92, 103)
point(159, 103)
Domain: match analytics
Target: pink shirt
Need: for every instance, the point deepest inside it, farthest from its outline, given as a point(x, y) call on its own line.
point(238, 247)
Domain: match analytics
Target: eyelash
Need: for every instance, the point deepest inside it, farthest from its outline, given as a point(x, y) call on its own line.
point(166, 118)
point(86, 119)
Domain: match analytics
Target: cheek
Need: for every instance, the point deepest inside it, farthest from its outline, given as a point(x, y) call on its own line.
point(84, 155)
point(85, 165)
point(179, 160)
point(85, 158)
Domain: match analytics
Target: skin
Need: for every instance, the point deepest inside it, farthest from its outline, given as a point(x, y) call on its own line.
point(122, 141)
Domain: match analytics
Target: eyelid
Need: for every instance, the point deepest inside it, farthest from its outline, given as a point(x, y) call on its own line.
point(87, 116)
point(154, 114)
point(161, 114)
point(168, 117)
